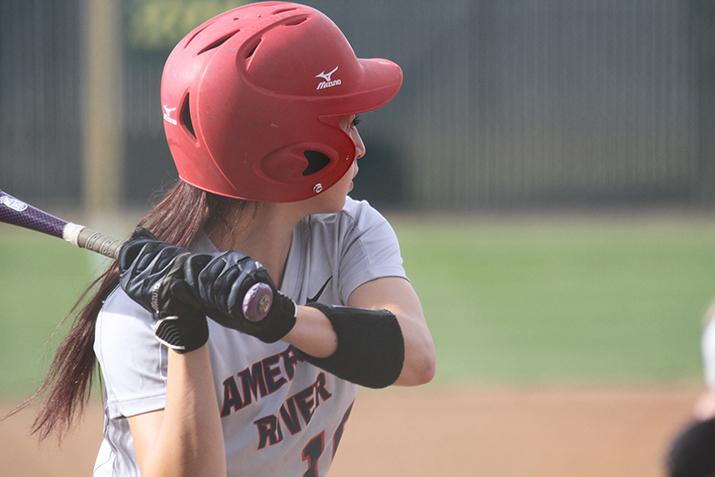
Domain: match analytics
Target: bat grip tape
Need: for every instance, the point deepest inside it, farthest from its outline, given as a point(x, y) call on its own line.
point(87, 238)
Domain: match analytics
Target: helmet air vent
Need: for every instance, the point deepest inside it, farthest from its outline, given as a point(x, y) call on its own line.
point(186, 118)
point(252, 49)
point(198, 30)
point(316, 161)
point(283, 10)
point(218, 42)
point(296, 21)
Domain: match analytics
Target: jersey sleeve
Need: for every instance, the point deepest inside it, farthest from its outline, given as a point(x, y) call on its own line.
point(132, 361)
point(369, 249)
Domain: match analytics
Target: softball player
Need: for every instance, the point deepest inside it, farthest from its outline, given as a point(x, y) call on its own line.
point(705, 407)
point(690, 453)
point(259, 107)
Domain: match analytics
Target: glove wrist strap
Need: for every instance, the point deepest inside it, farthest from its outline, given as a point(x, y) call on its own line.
point(181, 335)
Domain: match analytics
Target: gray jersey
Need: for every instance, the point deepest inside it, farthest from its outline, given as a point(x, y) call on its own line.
point(708, 348)
point(281, 416)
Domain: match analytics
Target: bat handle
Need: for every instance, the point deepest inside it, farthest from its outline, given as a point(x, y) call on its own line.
point(89, 239)
point(257, 302)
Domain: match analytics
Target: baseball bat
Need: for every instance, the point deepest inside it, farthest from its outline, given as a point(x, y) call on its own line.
point(256, 303)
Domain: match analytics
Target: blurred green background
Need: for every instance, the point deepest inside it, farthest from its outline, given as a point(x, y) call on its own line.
point(560, 300)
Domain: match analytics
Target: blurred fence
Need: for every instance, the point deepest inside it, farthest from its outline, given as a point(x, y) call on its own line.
point(518, 103)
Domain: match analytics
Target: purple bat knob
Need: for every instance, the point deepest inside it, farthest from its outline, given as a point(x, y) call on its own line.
point(257, 302)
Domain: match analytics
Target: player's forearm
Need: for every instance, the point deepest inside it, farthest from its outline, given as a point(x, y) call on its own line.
point(312, 333)
point(375, 348)
point(190, 441)
point(419, 365)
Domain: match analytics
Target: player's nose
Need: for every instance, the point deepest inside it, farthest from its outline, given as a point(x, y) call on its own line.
point(359, 146)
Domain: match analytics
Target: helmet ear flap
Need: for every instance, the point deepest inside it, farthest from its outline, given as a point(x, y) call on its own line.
point(316, 161)
point(294, 163)
point(285, 165)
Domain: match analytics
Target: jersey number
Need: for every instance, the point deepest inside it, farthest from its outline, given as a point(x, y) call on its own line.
point(311, 453)
point(314, 448)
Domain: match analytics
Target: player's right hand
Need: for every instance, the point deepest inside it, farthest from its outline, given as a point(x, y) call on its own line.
point(152, 274)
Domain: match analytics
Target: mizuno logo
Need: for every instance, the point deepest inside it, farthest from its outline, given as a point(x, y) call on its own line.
point(167, 115)
point(327, 78)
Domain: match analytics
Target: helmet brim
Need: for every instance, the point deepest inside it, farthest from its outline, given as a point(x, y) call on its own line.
point(381, 80)
point(377, 85)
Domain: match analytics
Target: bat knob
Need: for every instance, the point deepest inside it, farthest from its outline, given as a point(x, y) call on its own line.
point(257, 302)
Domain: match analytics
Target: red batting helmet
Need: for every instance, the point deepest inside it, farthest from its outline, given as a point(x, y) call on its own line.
point(252, 100)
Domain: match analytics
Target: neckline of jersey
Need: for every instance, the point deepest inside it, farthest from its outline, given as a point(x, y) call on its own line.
point(291, 271)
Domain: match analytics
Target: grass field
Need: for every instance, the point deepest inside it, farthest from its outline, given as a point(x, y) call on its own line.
point(571, 303)
point(523, 300)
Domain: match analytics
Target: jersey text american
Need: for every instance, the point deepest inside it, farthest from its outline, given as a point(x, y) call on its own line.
point(258, 380)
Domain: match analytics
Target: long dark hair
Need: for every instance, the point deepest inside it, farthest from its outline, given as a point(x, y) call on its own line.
point(178, 217)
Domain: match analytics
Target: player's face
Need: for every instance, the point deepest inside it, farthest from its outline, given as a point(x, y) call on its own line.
point(349, 125)
point(333, 199)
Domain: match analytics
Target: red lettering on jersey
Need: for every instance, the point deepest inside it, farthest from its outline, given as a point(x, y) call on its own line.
point(269, 431)
point(302, 404)
point(305, 402)
point(270, 373)
point(289, 415)
point(259, 380)
point(253, 382)
point(290, 361)
point(231, 398)
point(320, 391)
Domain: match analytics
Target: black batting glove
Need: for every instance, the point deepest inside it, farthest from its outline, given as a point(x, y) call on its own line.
point(221, 281)
point(151, 273)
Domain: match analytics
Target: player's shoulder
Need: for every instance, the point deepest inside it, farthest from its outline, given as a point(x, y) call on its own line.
point(120, 315)
point(119, 303)
point(360, 210)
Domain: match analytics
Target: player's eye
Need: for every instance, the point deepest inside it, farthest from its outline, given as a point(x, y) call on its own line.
point(356, 121)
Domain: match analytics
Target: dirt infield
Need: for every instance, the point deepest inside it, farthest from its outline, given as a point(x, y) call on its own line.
point(550, 432)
